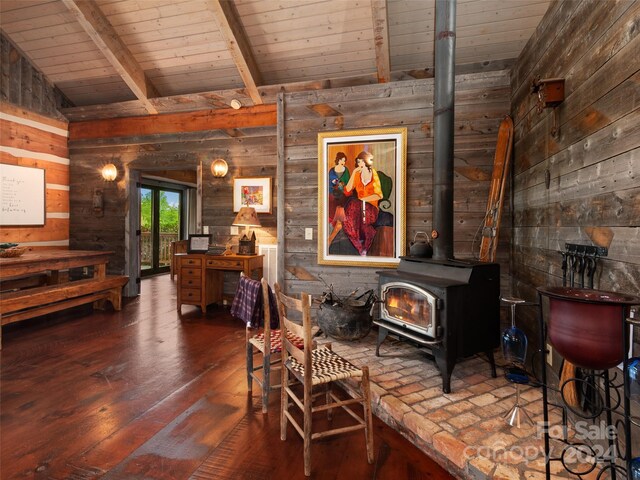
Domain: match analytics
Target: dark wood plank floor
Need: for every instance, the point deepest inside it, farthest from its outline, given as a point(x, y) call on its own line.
point(145, 394)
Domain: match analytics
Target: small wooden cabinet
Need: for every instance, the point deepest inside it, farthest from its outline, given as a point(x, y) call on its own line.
point(201, 276)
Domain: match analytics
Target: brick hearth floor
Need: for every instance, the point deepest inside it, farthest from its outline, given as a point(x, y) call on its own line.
point(464, 430)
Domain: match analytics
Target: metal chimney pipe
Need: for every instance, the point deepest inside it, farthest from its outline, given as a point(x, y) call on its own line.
point(443, 115)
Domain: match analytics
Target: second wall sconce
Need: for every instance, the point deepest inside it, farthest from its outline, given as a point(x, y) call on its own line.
point(219, 168)
point(109, 172)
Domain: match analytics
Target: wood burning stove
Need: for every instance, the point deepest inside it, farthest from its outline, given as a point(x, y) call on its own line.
point(452, 307)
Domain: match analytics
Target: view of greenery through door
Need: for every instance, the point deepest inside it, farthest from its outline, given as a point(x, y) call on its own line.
point(160, 219)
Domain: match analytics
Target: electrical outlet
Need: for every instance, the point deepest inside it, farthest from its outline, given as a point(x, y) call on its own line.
point(549, 355)
point(308, 233)
point(234, 230)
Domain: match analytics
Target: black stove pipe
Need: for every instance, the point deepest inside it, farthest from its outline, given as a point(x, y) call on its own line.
point(443, 116)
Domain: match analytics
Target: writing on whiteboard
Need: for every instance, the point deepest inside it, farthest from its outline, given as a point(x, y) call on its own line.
point(22, 195)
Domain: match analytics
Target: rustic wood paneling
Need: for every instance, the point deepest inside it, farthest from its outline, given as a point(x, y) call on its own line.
point(594, 193)
point(481, 102)
point(23, 86)
point(31, 140)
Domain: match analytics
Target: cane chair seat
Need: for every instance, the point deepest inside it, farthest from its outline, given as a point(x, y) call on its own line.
point(276, 341)
point(326, 366)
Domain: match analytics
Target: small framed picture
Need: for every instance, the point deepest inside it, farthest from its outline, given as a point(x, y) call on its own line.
point(252, 192)
point(198, 243)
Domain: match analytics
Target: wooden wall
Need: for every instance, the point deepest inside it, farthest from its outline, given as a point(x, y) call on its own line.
point(482, 100)
point(594, 163)
point(34, 134)
point(24, 86)
point(249, 152)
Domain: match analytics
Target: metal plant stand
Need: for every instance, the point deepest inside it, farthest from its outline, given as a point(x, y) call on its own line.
point(605, 450)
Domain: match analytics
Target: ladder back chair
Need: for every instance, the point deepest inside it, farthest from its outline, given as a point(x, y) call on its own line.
point(256, 340)
point(313, 367)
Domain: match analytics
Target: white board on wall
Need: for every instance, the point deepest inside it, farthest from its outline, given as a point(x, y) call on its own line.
point(22, 196)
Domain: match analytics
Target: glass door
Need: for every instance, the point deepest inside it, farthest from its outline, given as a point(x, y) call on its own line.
point(160, 224)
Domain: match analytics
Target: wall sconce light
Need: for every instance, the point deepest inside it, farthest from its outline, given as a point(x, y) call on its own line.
point(109, 172)
point(219, 168)
point(235, 104)
point(550, 93)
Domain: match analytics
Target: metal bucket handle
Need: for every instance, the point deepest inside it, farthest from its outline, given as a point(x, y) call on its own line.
point(371, 299)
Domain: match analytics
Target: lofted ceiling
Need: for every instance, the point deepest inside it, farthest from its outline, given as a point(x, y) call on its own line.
point(204, 53)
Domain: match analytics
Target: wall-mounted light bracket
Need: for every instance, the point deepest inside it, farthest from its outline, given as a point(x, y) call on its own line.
point(550, 94)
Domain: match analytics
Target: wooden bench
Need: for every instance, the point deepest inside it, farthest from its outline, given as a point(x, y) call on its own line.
point(32, 302)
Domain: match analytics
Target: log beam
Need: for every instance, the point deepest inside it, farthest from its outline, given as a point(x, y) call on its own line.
point(381, 39)
point(257, 116)
point(231, 29)
point(88, 14)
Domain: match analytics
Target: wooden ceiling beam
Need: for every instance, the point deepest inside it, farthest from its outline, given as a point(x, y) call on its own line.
point(174, 123)
point(233, 32)
point(381, 39)
point(88, 14)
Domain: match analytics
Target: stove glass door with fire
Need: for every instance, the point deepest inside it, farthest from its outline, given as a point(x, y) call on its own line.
point(412, 307)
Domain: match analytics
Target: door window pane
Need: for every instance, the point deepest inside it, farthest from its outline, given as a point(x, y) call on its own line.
point(169, 225)
point(146, 224)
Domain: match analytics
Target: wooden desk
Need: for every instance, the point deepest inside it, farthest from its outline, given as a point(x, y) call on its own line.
point(201, 276)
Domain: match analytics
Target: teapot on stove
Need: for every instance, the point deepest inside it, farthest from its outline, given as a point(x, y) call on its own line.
point(420, 248)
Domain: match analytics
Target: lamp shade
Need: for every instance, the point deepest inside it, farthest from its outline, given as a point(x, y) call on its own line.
point(219, 168)
point(247, 217)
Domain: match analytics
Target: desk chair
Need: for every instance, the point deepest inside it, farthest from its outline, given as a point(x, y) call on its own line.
point(256, 339)
point(312, 368)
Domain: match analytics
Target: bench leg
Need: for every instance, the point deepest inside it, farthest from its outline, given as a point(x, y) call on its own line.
point(115, 297)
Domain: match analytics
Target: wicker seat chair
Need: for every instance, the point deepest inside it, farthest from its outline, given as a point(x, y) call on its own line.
point(315, 367)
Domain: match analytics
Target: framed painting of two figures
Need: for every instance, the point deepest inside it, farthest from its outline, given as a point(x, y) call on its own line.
point(361, 197)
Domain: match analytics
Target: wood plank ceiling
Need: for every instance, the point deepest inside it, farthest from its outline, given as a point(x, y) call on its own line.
point(204, 53)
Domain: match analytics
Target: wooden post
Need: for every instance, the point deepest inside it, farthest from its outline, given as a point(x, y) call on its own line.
point(280, 180)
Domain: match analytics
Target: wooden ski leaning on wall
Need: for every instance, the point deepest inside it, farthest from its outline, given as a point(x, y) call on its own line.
point(491, 226)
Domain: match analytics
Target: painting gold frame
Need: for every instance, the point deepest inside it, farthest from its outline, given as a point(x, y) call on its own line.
point(361, 214)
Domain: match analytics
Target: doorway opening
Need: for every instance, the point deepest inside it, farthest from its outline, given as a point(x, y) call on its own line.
point(161, 222)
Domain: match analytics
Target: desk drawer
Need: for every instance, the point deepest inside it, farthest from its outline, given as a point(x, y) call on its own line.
point(190, 294)
point(222, 264)
point(190, 262)
point(191, 281)
point(190, 272)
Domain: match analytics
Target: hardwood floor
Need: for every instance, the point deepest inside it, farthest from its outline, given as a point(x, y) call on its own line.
point(145, 394)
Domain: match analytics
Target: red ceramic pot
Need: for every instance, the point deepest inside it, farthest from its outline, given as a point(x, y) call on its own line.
point(586, 326)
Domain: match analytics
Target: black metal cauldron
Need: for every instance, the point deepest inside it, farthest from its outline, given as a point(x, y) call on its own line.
point(348, 319)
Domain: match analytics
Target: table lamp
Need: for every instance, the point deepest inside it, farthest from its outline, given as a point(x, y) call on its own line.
point(247, 217)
